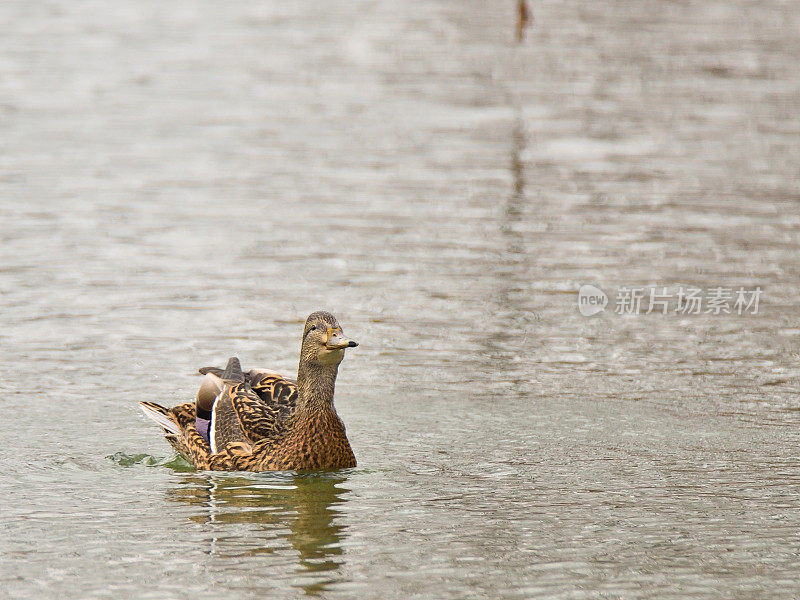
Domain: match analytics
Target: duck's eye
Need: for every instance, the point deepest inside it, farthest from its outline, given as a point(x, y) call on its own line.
point(313, 327)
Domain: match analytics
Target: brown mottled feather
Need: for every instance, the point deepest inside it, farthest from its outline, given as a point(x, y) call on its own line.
point(190, 444)
point(266, 409)
point(228, 427)
point(245, 413)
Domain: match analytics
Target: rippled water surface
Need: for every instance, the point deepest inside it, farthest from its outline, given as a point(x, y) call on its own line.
point(185, 181)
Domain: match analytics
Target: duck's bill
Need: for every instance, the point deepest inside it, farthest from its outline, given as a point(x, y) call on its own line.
point(337, 341)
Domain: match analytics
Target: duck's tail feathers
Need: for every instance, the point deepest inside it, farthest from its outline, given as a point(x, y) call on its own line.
point(213, 370)
point(160, 415)
point(233, 372)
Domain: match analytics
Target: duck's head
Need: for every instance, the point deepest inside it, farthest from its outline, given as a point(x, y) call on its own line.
point(323, 340)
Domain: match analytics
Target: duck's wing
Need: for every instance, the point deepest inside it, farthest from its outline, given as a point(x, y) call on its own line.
point(226, 424)
point(253, 406)
point(274, 388)
point(248, 412)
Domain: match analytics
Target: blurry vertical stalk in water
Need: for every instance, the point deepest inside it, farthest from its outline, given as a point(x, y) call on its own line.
point(523, 17)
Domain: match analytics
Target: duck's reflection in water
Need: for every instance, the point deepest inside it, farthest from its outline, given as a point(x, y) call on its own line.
point(252, 514)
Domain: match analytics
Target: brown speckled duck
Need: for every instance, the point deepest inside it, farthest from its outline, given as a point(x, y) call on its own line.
point(261, 421)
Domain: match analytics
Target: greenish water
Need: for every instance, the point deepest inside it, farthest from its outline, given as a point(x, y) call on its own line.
point(181, 182)
point(176, 463)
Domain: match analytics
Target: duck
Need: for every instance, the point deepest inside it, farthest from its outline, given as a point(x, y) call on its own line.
point(260, 420)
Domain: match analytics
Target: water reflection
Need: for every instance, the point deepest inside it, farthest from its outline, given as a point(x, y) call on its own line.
point(256, 514)
point(513, 320)
point(515, 200)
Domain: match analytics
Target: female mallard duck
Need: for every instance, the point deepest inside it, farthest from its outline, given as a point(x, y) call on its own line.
point(262, 421)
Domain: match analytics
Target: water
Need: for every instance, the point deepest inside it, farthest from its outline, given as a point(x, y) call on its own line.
point(185, 181)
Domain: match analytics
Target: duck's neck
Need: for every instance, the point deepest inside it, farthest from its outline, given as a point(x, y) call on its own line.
point(315, 385)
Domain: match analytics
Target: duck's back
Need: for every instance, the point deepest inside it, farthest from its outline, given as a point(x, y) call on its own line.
point(256, 410)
